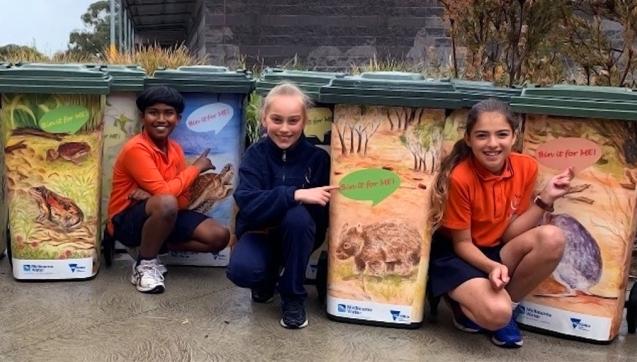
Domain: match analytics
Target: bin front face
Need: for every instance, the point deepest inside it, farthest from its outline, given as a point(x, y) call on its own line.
point(53, 178)
point(384, 159)
point(584, 297)
point(211, 121)
point(121, 122)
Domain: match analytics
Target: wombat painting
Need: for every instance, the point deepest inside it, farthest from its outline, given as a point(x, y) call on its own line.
point(381, 249)
point(384, 159)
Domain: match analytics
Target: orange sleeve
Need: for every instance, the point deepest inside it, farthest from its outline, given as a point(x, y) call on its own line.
point(531, 173)
point(457, 215)
point(140, 165)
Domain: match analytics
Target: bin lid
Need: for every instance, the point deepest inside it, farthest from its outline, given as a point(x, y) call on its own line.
point(578, 101)
point(309, 81)
point(476, 91)
point(391, 89)
point(203, 78)
point(126, 78)
point(53, 79)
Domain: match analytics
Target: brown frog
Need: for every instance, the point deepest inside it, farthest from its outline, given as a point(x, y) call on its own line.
point(57, 209)
point(210, 188)
point(75, 152)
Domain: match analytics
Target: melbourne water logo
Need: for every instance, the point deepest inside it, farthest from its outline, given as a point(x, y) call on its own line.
point(397, 316)
point(578, 324)
point(521, 310)
point(35, 268)
point(74, 267)
point(353, 309)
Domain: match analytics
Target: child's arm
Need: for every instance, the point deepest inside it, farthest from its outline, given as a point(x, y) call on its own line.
point(555, 188)
point(140, 165)
point(469, 252)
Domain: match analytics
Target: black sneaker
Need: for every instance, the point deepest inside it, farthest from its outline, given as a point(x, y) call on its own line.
point(293, 314)
point(265, 295)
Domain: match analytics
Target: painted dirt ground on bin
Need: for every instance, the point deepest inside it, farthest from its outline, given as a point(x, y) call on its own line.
point(53, 149)
point(384, 159)
point(585, 295)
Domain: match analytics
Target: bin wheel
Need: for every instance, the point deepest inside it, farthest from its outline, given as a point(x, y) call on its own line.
point(321, 277)
point(631, 309)
point(432, 304)
point(9, 248)
point(6, 235)
point(108, 248)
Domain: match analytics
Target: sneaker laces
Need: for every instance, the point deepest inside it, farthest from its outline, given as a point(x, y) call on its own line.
point(294, 309)
point(150, 268)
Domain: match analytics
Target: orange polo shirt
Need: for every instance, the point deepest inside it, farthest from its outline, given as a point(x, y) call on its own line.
point(486, 203)
point(141, 164)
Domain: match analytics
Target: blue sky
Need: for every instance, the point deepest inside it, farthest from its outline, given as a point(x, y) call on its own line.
point(45, 23)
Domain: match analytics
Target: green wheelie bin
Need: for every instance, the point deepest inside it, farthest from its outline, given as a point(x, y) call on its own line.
point(386, 151)
point(51, 123)
point(213, 118)
point(594, 130)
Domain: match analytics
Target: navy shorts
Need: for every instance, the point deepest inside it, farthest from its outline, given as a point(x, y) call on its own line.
point(128, 225)
point(447, 270)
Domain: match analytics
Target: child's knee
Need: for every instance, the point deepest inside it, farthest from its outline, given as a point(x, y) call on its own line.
point(494, 314)
point(217, 237)
point(298, 219)
point(552, 241)
point(245, 274)
point(165, 206)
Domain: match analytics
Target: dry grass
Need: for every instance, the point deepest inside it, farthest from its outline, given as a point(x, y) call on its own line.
point(154, 57)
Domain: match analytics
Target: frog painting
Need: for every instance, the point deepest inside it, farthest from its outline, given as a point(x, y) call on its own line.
point(75, 152)
point(56, 209)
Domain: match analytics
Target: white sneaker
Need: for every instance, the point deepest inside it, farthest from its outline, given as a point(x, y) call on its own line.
point(161, 267)
point(147, 277)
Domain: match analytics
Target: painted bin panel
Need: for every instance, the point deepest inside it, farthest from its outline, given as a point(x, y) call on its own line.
point(594, 130)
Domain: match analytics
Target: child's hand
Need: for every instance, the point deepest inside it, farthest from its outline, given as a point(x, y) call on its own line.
point(317, 195)
point(139, 195)
point(203, 163)
point(558, 186)
point(499, 276)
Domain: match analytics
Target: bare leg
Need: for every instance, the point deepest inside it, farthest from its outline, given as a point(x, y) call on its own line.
point(209, 236)
point(531, 257)
point(489, 308)
point(162, 214)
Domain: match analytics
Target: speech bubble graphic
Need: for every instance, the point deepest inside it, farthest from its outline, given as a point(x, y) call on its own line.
point(64, 119)
point(319, 122)
point(211, 117)
point(373, 184)
point(564, 152)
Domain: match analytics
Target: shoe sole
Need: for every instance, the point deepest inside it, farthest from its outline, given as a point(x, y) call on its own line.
point(293, 327)
point(463, 328)
point(158, 289)
point(506, 344)
point(268, 301)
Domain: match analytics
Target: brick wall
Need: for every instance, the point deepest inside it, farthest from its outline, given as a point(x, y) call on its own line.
point(321, 34)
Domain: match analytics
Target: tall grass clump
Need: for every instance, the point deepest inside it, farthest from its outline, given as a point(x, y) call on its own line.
point(153, 57)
